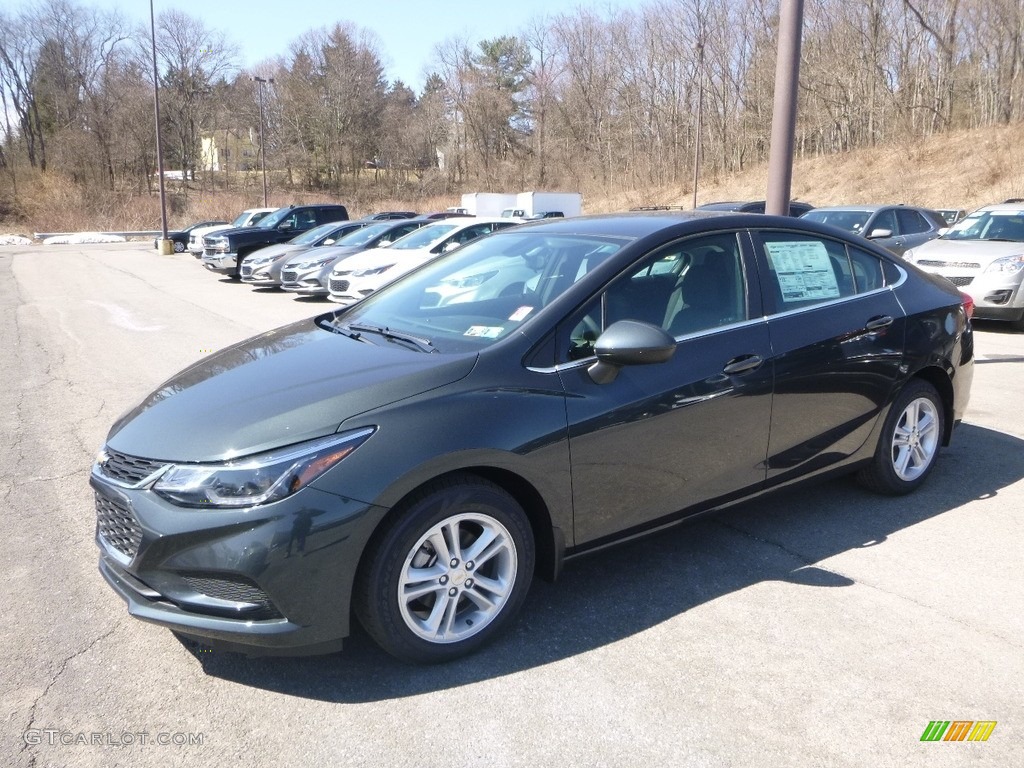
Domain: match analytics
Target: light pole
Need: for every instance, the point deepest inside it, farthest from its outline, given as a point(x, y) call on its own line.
point(165, 246)
point(787, 76)
point(700, 115)
point(263, 153)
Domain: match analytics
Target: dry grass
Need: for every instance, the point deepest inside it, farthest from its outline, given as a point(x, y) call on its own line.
point(963, 169)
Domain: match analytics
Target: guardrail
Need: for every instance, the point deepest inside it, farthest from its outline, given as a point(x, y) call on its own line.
point(139, 233)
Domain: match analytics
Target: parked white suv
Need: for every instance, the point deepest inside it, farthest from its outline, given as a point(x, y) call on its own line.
point(246, 218)
point(983, 255)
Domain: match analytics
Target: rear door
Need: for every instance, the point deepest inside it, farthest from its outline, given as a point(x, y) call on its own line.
point(837, 338)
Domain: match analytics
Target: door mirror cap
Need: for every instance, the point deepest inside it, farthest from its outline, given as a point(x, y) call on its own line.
point(629, 342)
point(877, 234)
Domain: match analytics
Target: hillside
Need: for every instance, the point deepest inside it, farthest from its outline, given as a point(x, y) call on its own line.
point(963, 169)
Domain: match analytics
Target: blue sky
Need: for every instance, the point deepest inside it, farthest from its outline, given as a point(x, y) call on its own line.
point(408, 30)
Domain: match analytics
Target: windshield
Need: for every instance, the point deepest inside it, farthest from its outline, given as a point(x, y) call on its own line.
point(247, 216)
point(482, 292)
point(989, 225)
point(364, 234)
point(309, 238)
point(424, 237)
point(271, 220)
point(851, 221)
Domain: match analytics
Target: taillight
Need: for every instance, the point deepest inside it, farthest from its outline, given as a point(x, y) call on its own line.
point(968, 303)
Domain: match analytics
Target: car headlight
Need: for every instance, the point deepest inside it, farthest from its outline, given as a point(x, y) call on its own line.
point(252, 262)
point(372, 270)
point(258, 479)
point(1007, 265)
point(321, 262)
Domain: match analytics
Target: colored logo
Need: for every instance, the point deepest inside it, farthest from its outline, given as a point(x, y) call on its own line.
point(958, 730)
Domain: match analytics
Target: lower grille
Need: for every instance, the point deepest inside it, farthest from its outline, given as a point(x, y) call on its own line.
point(289, 276)
point(236, 589)
point(117, 526)
point(960, 282)
point(338, 286)
point(246, 271)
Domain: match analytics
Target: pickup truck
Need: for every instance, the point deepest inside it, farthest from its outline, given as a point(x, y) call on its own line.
point(224, 251)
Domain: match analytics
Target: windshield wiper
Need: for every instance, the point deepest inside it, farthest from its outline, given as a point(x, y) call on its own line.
point(423, 345)
point(343, 330)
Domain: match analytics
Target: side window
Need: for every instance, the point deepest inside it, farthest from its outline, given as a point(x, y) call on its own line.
point(884, 220)
point(911, 222)
point(804, 270)
point(305, 219)
point(687, 287)
point(868, 274)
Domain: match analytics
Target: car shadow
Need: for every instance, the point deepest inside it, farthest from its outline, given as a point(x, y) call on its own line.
point(616, 593)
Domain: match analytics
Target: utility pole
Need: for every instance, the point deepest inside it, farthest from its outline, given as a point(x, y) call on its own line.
point(263, 154)
point(787, 76)
point(700, 113)
point(166, 247)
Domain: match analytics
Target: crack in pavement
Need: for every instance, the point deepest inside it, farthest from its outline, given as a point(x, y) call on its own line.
point(53, 680)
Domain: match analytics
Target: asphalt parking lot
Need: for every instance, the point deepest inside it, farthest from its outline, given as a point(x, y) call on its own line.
point(823, 627)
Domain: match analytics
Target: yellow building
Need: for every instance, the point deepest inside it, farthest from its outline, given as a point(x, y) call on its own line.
point(229, 149)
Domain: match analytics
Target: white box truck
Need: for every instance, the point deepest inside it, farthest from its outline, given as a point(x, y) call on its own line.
point(487, 203)
point(529, 204)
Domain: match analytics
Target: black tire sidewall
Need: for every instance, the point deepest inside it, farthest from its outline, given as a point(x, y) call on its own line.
point(377, 596)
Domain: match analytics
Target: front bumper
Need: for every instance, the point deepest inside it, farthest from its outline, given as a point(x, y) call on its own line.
point(996, 296)
point(277, 578)
point(259, 276)
point(224, 263)
point(305, 282)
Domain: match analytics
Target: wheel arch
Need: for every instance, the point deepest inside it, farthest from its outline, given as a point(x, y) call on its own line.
point(549, 541)
point(939, 379)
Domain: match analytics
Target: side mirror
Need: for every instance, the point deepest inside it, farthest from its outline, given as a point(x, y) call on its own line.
point(450, 247)
point(284, 226)
point(629, 342)
point(329, 241)
point(877, 234)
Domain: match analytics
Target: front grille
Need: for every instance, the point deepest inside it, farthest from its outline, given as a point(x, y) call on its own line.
point(952, 264)
point(236, 589)
point(117, 526)
point(338, 286)
point(128, 469)
point(960, 282)
point(289, 276)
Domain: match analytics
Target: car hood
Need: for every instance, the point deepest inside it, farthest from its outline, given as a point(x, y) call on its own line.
point(272, 251)
point(287, 385)
point(376, 257)
point(199, 233)
point(982, 252)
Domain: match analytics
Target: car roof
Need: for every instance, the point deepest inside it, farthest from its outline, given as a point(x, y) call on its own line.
point(1004, 207)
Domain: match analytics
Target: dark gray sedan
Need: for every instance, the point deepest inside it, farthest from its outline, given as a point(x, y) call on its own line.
point(416, 462)
point(896, 227)
point(262, 269)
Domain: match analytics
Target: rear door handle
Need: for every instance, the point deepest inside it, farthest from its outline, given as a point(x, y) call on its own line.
point(877, 323)
point(742, 364)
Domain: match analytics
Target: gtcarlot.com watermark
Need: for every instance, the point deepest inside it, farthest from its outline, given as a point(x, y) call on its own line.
point(52, 737)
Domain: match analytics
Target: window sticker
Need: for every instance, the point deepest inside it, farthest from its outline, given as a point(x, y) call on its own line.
point(520, 314)
point(804, 270)
point(484, 331)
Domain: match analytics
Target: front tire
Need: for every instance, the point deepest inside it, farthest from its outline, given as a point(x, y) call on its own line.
point(909, 444)
point(449, 574)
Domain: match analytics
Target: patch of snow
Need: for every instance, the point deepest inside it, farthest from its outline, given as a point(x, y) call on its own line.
point(81, 238)
point(14, 240)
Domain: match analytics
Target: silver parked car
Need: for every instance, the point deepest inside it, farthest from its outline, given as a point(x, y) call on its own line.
point(308, 274)
point(262, 269)
point(896, 227)
point(983, 255)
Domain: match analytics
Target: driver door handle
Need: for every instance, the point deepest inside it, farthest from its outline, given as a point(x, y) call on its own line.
point(877, 323)
point(742, 364)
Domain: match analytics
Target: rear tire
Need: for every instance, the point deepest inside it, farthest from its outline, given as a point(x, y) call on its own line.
point(909, 444)
point(450, 572)
point(179, 247)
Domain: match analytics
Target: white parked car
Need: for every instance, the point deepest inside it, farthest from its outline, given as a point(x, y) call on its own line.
point(983, 255)
point(246, 218)
point(358, 276)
